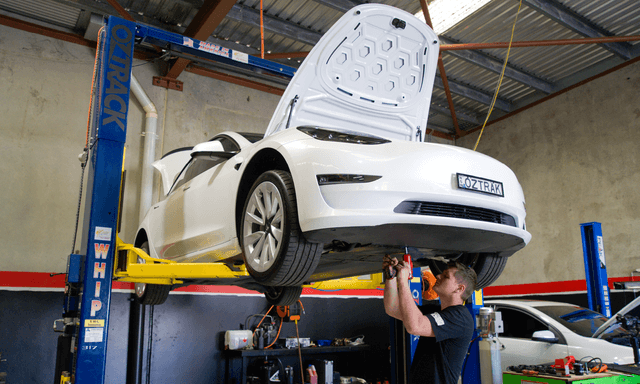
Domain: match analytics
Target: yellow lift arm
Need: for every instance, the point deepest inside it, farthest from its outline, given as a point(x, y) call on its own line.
point(168, 272)
point(165, 272)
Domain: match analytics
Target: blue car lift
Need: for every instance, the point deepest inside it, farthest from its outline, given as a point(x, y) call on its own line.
point(595, 268)
point(82, 348)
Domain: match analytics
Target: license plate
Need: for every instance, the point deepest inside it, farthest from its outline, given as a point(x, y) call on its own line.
point(478, 184)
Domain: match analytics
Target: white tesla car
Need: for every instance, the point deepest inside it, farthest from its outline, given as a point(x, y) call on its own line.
point(341, 176)
point(538, 332)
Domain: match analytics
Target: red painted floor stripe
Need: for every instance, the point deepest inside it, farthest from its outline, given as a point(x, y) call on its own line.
point(44, 280)
point(31, 279)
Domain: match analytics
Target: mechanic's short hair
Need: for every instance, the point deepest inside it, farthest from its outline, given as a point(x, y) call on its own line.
point(466, 276)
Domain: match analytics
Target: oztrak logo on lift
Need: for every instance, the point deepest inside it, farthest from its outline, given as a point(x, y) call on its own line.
point(118, 76)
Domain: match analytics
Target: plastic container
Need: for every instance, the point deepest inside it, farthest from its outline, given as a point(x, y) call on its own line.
point(238, 339)
point(292, 342)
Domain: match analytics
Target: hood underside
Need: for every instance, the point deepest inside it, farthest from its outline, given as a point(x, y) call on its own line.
point(612, 323)
point(372, 72)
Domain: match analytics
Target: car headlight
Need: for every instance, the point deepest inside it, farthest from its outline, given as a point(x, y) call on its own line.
point(342, 136)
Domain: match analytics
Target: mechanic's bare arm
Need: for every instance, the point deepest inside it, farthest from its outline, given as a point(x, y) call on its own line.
point(391, 304)
point(414, 321)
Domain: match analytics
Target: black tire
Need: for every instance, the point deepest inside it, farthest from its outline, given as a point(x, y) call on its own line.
point(488, 267)
point(275, 251)
point(150, 294)
point(282, 296)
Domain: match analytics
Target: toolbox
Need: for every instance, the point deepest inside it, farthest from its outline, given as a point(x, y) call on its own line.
point(594, 378)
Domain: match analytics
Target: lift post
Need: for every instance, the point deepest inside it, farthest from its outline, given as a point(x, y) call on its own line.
point(82, 348)
point(595, 268)
point(88, 285)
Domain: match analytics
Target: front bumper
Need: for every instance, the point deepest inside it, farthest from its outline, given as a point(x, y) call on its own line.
point(425, 173)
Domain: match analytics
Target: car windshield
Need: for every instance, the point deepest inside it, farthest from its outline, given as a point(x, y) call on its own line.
point(582, 321)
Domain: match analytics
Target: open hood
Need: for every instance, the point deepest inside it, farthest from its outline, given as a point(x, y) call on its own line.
point(371, 73)
point(611, 324)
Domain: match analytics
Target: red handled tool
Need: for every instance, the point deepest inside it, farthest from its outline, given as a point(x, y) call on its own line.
point(407, 260)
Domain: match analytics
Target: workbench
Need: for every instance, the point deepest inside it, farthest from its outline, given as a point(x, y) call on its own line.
point(595, 378)
point(238, 360)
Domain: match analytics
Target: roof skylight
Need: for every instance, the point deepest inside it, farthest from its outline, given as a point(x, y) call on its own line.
point(447, 13)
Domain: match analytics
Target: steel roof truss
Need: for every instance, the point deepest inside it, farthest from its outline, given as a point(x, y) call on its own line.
point(489, 63)
point(340, 5)
point(251, 16)
point(561, 15)
point(474, 94)
point(460, 115)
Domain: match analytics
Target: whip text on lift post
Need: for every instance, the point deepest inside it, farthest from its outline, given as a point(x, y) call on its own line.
point(99, 271)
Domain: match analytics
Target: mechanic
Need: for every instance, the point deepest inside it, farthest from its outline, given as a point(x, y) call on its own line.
point(445, 333)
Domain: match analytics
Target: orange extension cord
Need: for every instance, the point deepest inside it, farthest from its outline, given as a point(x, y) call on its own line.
point(261, 33)
point(93, 84)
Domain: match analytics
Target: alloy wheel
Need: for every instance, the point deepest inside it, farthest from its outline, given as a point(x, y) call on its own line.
point(263, 226)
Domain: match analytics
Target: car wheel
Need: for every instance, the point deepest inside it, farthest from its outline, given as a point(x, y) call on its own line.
point(282, 296)
point(150, 294)
point(488, 267)
point(274, 250)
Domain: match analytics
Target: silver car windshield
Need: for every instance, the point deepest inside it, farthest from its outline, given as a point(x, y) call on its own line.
point(580, 320)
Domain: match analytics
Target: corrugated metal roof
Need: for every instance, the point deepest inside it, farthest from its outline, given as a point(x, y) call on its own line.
point(493, 23)
point(295, 25)
point(618, 17)
point(46, 11)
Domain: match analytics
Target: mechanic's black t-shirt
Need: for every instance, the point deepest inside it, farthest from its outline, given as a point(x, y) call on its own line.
point(439, 359)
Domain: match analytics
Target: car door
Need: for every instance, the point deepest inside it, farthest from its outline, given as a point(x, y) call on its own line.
point(518, 346)
point(195, 215)
point(166, 218)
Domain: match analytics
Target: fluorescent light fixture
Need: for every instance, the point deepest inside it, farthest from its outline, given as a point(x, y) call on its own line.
point(447, 13)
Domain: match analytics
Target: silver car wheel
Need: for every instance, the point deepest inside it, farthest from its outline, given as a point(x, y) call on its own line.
point(263, 226)
point(150, 294)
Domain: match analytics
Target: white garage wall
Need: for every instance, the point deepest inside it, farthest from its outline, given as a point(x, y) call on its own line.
point(576, 156)
point(577, 159)
point(44, 92)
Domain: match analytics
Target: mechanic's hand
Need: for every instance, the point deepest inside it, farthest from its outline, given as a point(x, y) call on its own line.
point(404, 270)
point(388, 267)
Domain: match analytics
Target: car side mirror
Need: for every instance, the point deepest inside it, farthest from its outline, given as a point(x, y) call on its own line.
point(546, 336)
point(211, 149)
